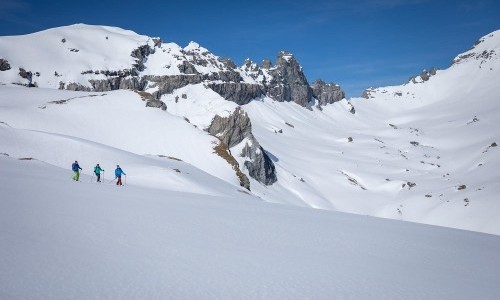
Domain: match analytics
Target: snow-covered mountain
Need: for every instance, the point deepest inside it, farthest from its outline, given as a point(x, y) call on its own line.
point(187, 120)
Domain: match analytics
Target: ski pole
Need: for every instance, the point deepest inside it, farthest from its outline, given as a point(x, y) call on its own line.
point(125, 181)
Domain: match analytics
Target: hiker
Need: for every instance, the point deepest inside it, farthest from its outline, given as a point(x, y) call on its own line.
point(118, 174)
point(97, 172)
point(76, 168)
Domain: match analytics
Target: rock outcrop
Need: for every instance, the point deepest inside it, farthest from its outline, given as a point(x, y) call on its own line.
point(285, 82)
point(424, 76)
point(151, 101)
point(240, 93)
point(237, 128)
point(167, 84)
point(232, 130)
point(326, 93)
point(260, 167)
point(73, 87)
point(116, 83)
point(187, 68)
point(25, 74)
point(288, 82)
point(266, 64)
point(4, 65)
point(28, 75)
point(140, 54)
point(367, 93)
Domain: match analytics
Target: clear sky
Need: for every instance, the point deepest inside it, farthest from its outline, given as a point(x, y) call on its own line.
point(356, 43)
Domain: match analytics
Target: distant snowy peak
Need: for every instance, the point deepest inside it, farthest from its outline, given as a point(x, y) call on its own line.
point(77, 46)
point(482, 60)
point(101, 58)
point(195, 47)
point(486, 48)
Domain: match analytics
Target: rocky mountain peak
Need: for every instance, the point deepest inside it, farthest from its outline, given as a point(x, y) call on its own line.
point(144, 63)
point(250, 66)
point(285, 57)
point(288, 82)
point(266, 64)
point(483, 50)
point(194, 46)
point(327, 93)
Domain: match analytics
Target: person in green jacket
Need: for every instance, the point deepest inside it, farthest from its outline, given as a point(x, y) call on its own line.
point(97, 172)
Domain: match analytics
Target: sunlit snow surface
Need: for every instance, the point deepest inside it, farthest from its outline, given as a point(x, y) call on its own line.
point(183, 228)
point(423, 152)
point(82, 240)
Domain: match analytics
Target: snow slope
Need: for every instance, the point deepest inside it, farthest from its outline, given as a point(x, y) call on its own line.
point(68, 240)
point(79, 53)
point(107, 128)
point(425, 151)
point(422, 152)
point(77, 48)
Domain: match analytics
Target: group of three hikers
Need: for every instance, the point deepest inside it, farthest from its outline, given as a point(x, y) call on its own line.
point(97, 171)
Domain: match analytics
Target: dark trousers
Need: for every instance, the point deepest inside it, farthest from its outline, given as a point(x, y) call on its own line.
point(98, 177)
point(119, 182)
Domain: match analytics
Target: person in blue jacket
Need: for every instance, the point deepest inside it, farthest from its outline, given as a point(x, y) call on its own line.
point(76, 168)
point(118, 174)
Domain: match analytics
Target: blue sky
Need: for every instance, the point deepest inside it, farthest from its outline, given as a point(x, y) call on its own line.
point(356, 43)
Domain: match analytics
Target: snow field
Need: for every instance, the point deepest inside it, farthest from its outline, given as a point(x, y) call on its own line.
point(69, 240)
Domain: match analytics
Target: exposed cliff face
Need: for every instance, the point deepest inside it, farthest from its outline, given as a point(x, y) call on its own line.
point(240, 93)
point(326, 93)
point(116, 83)
point(187, 68)
point(288, 82)
point(141, 54)
point(232, 130)
point(260, 166)
point(236, 129)
point(167, 84)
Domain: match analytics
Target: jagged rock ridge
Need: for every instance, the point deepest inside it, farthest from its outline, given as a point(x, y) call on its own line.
point(159, 68)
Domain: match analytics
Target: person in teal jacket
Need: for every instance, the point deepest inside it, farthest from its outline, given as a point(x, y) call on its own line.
point(118, 174)
point(97, 172)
